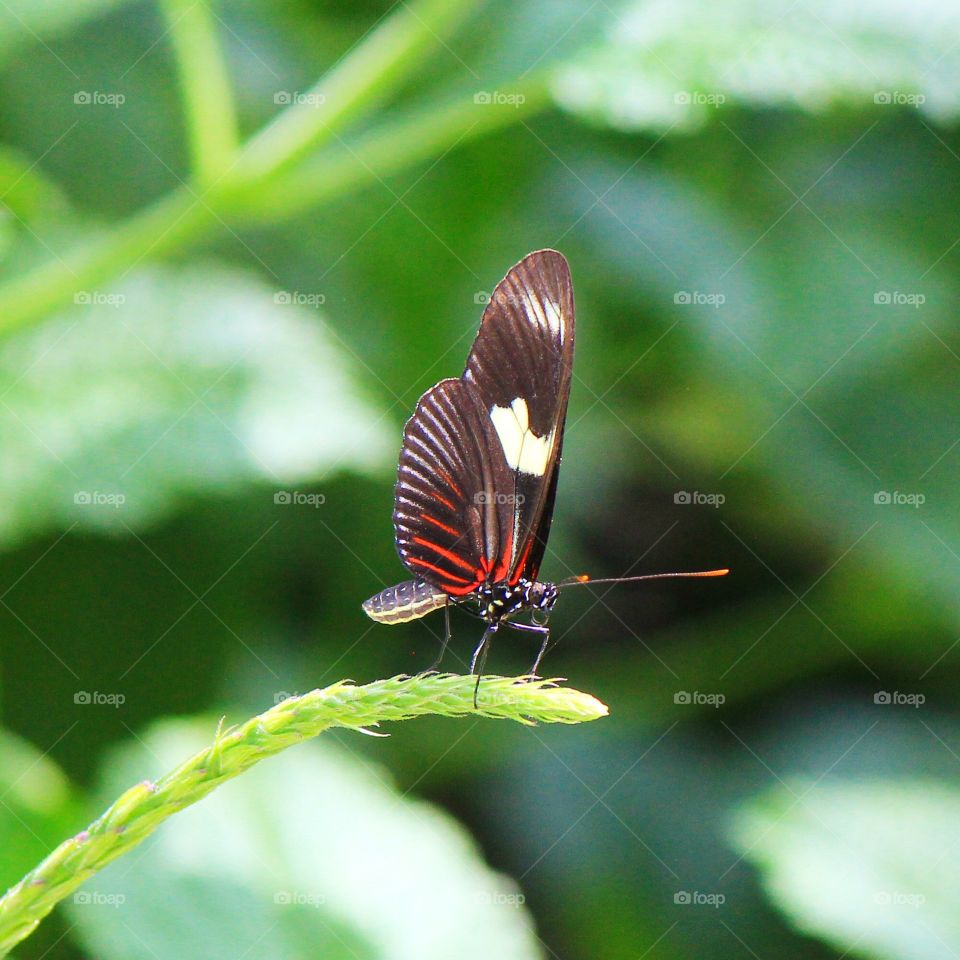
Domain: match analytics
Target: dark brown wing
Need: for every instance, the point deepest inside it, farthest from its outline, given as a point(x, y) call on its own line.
point(452, 528)
point(521, 365)
point(478, 467)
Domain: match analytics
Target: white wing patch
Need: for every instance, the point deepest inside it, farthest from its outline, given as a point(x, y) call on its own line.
point(554, 318)
point(524, 450)
point(547, 314)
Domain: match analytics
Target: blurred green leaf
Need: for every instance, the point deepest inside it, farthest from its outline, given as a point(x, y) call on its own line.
point(7, 231)
point(798, 199)
point(28, 200)
point(27, 194)
point(173, 383)
point(37, 807)
point(816, 336)
point(311, 855)
point(666, 65)
point(871, 867)
point(32, 21)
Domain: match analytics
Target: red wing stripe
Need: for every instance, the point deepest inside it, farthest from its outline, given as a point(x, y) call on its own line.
point(446, 476)
point(518, 572)
point(443, 552)
point(461, 591)
point(503, 567)
point(438, 523)
point(438, 570)
point(443, 500)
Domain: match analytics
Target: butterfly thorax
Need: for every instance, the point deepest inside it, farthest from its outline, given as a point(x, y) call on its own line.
point(500, 600)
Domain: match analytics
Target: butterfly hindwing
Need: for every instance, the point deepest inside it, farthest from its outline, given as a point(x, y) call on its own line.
point(478, 467)
point(448, 526)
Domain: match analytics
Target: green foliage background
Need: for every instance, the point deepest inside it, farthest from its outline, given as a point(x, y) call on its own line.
point(758, 203)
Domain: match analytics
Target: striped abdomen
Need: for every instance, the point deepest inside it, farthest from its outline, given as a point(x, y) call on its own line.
point(409, 600)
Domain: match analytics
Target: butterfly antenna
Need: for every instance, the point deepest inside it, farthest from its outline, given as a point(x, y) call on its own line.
point(583, 579)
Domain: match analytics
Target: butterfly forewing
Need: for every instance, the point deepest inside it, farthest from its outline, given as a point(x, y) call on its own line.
point(522, 363)
point(477, 472)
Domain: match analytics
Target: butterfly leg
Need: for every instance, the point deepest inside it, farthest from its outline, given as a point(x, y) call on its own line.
point(540, 628)
point(447, 633)
point(543, 649)
point(480, 657)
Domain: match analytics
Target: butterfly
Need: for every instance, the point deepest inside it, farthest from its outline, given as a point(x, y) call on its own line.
point(479, 463)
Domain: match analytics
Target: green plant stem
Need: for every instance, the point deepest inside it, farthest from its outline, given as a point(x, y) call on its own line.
point(372, 69)
point(166, 225)
point(418, 135)
point(139, 811)
point(208, 100)
point(186, 215)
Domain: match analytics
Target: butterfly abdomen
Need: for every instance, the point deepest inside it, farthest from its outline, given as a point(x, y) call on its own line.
point(409, 600)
